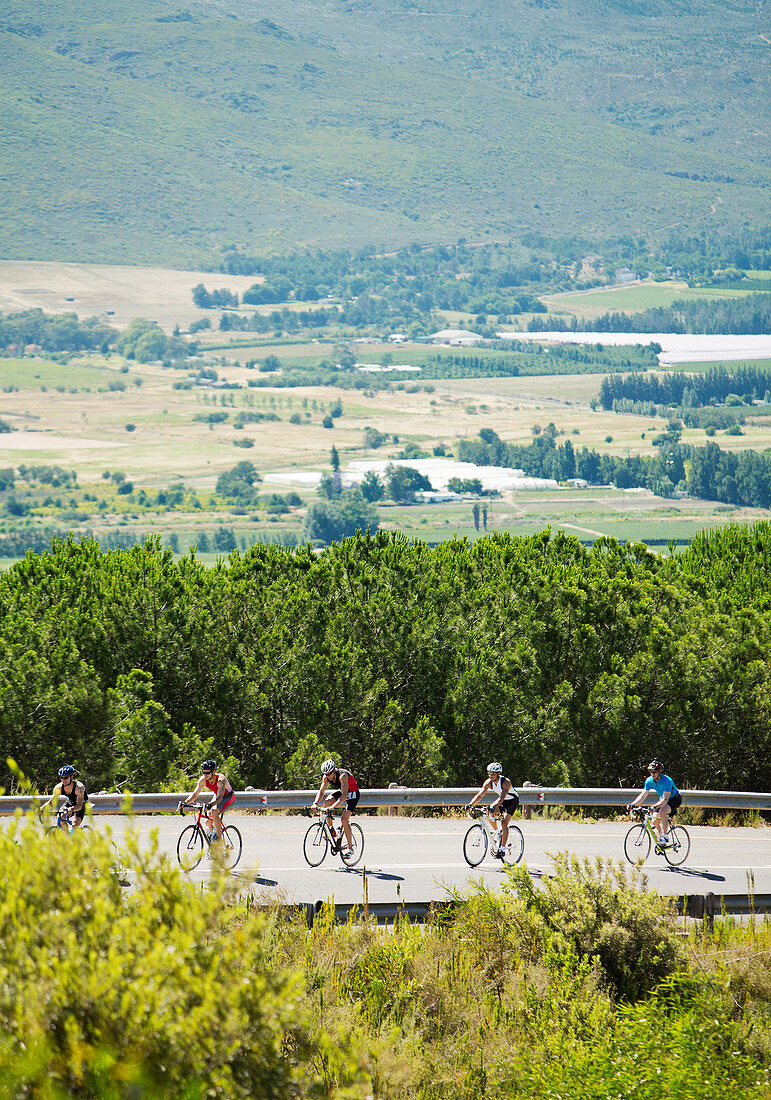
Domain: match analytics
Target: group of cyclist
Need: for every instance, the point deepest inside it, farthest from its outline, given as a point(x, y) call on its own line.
point(339, 788)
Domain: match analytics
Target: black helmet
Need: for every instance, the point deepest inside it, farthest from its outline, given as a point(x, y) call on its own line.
point(209, 766)
point(655, 766)
point(66, 770)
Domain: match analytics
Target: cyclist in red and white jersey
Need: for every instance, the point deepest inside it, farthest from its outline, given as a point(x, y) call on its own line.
point(341, 789)
point(218, 784)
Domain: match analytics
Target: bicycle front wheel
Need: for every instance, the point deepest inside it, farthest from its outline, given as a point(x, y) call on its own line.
point(351, 858)
point(233, 846)
point(637, 844)
point(475, 845)
point(515, 846)
point(190, 847)
point(315, 844)
point(679, 846)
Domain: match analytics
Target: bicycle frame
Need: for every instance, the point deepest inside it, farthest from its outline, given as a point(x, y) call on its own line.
point(190, 850)
point(203, 812)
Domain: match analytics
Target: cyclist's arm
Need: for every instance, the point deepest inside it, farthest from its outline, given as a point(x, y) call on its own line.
point(190, 798)
point(80, 799)
point(485, 787)
point(322, 788)
point(53, 799)
point(343, 788)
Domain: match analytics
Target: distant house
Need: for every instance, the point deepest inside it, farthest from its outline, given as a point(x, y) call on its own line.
point(456, 337)
point(625, 275)
point(397, 337)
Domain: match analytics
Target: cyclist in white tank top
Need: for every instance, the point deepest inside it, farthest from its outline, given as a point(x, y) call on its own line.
point(506, 800)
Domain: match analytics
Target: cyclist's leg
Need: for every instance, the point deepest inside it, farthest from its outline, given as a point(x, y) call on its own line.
point(217, 814)
point(508, 806)
point(350, 806)
point(505, 819)
point(216, 820)
point(329, 801)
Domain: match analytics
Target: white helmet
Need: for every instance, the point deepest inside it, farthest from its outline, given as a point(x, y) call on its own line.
point(495, 767)
point(328, 766)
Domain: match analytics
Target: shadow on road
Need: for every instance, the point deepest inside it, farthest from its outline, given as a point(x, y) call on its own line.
point(694, 872)
point(381, 876)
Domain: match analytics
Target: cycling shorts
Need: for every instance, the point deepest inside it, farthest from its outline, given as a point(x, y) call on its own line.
point(510, 803)
point(675, 801)
point(229, 800)
point(351, 800)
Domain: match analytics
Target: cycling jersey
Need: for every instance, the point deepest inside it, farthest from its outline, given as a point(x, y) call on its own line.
point(214, 782)
point(72, 797)
point(663, 785)
point(353, 786)
point(510, 801)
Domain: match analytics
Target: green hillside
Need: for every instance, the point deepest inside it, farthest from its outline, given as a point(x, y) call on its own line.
point(159, 131)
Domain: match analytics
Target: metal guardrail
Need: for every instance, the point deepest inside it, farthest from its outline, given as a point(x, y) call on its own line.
point(696, 906)
point(251, 799)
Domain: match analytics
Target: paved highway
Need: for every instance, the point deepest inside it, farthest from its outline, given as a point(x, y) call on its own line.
point(417, 859)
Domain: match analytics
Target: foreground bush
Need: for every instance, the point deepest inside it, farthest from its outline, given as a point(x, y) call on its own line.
point(155, 994)
point(584, 988)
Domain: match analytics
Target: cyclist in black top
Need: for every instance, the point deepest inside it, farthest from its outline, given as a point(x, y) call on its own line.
point(74, 791)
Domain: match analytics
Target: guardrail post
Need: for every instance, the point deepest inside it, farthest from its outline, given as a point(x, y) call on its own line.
point(527, 809)
point(393, 811)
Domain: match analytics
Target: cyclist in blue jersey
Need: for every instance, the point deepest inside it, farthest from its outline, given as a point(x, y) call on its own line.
point(669, 798)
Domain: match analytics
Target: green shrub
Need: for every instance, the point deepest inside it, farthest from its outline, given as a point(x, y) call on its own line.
point(596, 911)
point(160, 994)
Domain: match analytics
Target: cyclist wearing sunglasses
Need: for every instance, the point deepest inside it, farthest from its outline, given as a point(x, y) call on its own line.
point(338, 788)
point(74, 791)
point(669, 799)
point(217, 783)
point(506, 801)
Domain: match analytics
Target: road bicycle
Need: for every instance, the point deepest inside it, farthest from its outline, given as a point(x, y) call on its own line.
point(322, 837)
point(195, 838)
point(486, 835)
point(60, 822)
point(640, 838)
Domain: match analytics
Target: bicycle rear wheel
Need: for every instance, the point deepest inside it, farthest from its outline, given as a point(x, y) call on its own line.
point(233, 846)
point(475, 845)
point(190, 847)
point(679, 846)
point(515, 846)
point(637, 844)
point(351, 858)
point(315, 844)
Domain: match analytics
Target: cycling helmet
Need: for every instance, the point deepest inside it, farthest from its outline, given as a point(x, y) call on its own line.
point(209, 766)
point(328, 766)
point(66, 771)
point(655, 766)
point(495, 767)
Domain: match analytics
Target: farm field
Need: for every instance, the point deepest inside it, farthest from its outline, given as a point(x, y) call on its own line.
point(646, 294)
point(84, 428)
point(110, 420)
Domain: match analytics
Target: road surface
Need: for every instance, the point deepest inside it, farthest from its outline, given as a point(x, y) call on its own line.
point(419, 859)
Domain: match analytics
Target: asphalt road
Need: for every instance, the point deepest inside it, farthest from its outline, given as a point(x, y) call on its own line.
point(418, 859)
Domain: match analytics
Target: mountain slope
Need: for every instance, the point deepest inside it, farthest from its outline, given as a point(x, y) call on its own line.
point(159, 131)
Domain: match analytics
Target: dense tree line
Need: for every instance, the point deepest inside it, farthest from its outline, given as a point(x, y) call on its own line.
point(500, 276)
point(709, 473)
point(749, 314)
point(686, 390)
point(54, 332)
point(415, 664)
